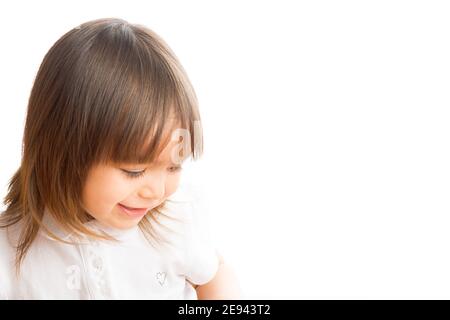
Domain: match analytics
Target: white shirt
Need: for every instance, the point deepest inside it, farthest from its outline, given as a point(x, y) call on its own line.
point(101, 269)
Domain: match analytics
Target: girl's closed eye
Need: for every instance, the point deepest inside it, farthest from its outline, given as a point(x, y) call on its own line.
point(137, 174)
point(133, 174)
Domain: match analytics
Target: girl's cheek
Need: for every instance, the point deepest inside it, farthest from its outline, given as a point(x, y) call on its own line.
point(119, 185)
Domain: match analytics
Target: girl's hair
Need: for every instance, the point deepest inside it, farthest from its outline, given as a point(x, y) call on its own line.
point(104, 93)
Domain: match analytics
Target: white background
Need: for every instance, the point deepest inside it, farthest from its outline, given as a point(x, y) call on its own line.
point(326, 124)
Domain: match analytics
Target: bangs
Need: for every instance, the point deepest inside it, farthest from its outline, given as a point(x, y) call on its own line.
point(147, 150)
point(143, 103)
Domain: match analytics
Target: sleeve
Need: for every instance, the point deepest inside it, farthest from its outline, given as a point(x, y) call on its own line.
point(202, 261)
point(194, 247)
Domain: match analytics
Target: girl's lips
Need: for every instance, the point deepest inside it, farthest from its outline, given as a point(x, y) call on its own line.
point(133, 212)
point(132, 207)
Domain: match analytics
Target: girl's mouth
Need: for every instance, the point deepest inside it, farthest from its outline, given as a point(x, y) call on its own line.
point(132, 212)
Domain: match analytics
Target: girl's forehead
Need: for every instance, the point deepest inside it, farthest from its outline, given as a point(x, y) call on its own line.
point(168, 153)
point(173, 147)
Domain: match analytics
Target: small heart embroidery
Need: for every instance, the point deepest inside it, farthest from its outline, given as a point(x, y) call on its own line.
point(161, 277)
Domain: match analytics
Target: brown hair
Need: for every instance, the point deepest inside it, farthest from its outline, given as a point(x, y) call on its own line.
point(103, 94)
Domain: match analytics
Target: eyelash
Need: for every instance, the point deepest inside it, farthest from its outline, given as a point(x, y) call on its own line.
point(131, 174)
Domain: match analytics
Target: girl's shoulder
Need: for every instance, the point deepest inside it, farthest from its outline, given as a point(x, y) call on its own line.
point(197, 242)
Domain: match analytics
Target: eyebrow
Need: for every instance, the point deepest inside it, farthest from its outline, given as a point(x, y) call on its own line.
point(169, 161)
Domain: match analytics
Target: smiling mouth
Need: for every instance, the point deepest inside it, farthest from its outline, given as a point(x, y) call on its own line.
point(133, 212)
point(132, 208)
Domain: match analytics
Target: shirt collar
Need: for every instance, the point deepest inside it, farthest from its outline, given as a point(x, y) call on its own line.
point(53, 226)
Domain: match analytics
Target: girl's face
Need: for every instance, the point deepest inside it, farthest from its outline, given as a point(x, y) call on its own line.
point(107, 186)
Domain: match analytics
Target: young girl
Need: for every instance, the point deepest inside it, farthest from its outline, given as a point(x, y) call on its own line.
point(96, 209)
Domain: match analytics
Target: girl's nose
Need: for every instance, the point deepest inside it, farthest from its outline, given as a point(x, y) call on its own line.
point(153, 187)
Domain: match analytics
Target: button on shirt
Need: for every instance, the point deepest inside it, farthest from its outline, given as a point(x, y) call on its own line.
point(100, 269)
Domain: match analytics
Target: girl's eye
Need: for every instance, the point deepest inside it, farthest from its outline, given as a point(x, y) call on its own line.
point(133, 174)
point(137, 174)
